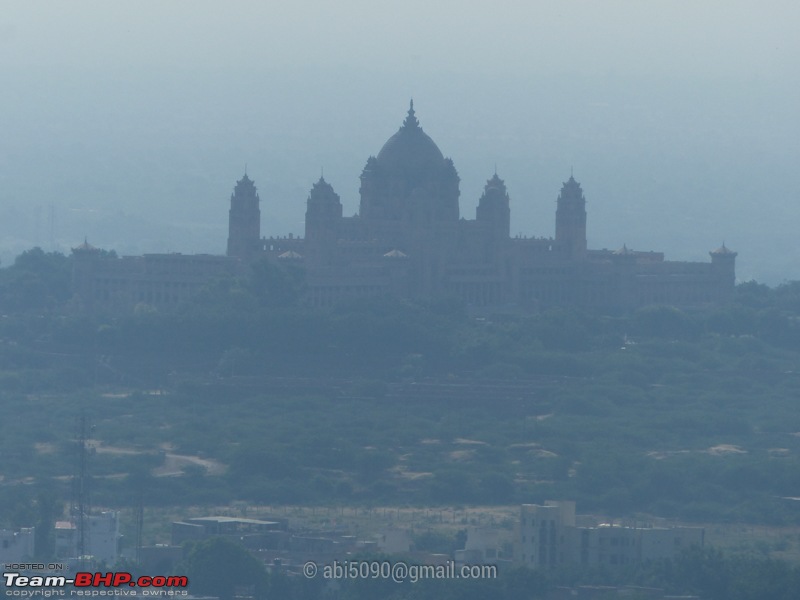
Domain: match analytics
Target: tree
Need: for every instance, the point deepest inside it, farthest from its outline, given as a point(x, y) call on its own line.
point(274, 285)
point(37, 280)
point(217, 566)
point(47, 511)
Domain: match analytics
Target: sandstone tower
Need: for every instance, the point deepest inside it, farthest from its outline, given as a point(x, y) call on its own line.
point(244, 220)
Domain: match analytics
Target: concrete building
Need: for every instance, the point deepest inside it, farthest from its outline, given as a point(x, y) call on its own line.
point(17, 546)
point(100, 541)
point(483, 547)
point(549, 537)
point(394, 541)
point(544, 538)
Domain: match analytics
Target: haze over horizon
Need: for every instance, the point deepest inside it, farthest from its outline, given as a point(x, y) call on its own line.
point(130, 124)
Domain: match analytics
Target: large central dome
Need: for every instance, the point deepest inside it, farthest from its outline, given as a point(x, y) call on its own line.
point(409, 181)
point(410, 148)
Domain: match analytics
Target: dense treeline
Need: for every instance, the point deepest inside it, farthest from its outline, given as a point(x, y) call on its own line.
point(669, 412)
point(217, 566)
point(258, 325)
point(261, 320)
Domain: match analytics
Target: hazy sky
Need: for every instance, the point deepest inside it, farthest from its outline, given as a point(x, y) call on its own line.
point(130, 122)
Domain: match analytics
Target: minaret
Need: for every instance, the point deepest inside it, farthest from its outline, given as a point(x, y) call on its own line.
point(571, 219)
point(244, 220)
point(493, 208)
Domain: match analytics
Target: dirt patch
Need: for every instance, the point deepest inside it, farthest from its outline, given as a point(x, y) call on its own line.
point(461, 455)
point(175, 464)
point(725, 449)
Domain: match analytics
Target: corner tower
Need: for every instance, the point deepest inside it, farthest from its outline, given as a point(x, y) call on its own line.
point(244, 220)
point(571, 219)
point(323, 218)
point(723, 266)
point(493, 209)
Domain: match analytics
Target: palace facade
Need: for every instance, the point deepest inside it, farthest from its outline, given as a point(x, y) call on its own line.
point(410, 240)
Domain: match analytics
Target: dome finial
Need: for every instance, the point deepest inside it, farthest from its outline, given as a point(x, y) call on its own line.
point(411, 120)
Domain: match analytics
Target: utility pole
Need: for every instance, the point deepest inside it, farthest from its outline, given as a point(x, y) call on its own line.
point(80, 489)
point(139, 528)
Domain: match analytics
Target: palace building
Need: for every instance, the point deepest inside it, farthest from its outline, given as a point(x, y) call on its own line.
point(409, 239)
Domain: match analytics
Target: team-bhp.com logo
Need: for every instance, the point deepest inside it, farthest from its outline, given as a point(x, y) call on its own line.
point(157, 585)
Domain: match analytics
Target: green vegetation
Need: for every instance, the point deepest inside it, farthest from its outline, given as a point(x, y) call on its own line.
point(707, 573)
point(220, 567)
point(246, 395)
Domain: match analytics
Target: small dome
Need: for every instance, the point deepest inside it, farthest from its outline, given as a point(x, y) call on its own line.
point(410, 148)
point(571, 190)
point(245, 188)
point(495, 183)
point(290, 255)
point(322, 191)
point(245, 182)
point(85, 247)
point(495, 187)
point(723, 250)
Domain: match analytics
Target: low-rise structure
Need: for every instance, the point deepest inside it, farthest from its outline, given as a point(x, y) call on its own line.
point(394, 541)
point(483, 546)
point(16, 546)
point(200, 528)
point(160, 281)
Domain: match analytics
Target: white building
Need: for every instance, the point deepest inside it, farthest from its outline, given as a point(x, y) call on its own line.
point(394, 541)
point(483, 546)
point(544, 533)
point(549, 537)
point(101, 538)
